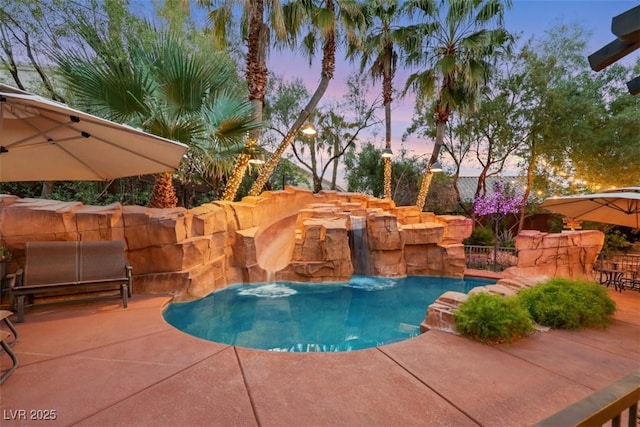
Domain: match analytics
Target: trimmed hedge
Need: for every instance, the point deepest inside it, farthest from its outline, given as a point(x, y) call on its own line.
point(569, 304)
point(493, 319)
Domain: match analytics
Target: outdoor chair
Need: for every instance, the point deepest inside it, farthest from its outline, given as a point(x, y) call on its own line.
point(6, 344)
point(633, 282)
point(4, 318)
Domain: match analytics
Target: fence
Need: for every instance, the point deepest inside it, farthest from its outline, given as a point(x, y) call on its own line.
point(490, 257)
point(622, 271)
point(613, 403)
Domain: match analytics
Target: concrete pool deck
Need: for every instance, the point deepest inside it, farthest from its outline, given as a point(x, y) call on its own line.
point(97, 364)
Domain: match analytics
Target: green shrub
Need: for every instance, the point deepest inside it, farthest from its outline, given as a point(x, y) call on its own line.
point(493, 319)
point(568, 304)
point(481, 236)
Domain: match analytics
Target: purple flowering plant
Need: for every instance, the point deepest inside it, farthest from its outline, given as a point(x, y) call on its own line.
point(498, 204)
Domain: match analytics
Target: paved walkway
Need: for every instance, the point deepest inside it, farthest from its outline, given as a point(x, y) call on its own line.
point(98, 364)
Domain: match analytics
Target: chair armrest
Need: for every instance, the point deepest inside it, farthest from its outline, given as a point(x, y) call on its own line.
point(128, 269)
point(14, 279)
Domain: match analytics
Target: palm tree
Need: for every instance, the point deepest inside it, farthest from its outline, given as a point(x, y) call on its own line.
point(462, 39)
point(257, 37)
point(322, 19)
point(379, 52)
point(163, 87)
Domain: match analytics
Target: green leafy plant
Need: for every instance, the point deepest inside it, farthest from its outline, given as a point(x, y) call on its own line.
point(482, 236)
point(569, 304)
point(493, 319)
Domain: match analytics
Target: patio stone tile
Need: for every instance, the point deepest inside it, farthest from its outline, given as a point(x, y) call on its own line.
point(493, 387)
point(210, 392)
point(628, 306)
point(77, 387)
point(361, 388)
point(571, 354)
point(166, 347)
point(71, 328)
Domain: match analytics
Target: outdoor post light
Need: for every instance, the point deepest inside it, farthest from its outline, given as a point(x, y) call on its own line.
point(255, 158)
point(436, 167)
point(387, 153)
point(309, 129)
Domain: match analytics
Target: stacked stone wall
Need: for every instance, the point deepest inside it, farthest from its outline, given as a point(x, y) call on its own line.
point(191, 252)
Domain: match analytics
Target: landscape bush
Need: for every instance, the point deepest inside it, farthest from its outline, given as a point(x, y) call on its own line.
point(493, 319)
point(568, 304)
point(481, 236)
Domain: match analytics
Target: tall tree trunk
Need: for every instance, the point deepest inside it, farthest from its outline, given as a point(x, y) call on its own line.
point(336, 163)
point(387, 93)
point(47, 189)
point(317, 179)
point(328, 69)
point(256, 76)
point(163, 194)
point(527, 192)
point(428, 176)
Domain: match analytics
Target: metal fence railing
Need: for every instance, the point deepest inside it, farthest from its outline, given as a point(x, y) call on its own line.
point(490, 257)
point(622, 271)
point(617, 403)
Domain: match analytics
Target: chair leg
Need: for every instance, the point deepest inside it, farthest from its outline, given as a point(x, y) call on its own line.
point(125, 295)
point(12, 355)
point(4, 316)
point(20, 308)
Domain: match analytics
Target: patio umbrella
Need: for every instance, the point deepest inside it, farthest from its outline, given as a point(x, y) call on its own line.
point(43, 140)
point(620, 206)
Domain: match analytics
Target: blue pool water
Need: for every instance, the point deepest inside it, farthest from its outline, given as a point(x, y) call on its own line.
point(365, 312)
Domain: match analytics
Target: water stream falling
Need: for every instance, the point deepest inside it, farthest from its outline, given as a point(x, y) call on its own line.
point(359, 244)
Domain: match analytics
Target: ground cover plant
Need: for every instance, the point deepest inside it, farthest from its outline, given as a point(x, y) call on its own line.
point(568, 304)
point(493, 319)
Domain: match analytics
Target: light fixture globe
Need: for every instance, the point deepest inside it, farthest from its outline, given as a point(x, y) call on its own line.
point(387, 153)
point(436, 167)
point(255, 156)
point(309, 129)
point(256, 159)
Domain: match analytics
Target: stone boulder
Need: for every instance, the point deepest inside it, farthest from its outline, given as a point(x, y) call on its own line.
point(570, 254)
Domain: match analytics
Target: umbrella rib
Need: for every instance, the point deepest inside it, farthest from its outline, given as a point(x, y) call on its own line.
point(79, 160)
point(39, 132)
point(610, 203)
point(80, 116)
point(120, 147)
point(51, 134)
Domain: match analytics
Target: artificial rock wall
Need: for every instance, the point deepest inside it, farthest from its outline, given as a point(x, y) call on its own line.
point(191, 252)
point(540, 257)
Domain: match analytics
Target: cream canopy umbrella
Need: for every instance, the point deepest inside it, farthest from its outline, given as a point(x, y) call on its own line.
point(43, 140)
point(620, 206)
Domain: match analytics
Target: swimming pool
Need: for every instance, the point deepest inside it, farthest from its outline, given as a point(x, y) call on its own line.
point(365, 312)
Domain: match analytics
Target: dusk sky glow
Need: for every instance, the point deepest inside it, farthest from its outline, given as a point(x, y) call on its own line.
point(530, 18)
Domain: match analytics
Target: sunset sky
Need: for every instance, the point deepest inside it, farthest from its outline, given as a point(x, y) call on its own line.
point(531, 18)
